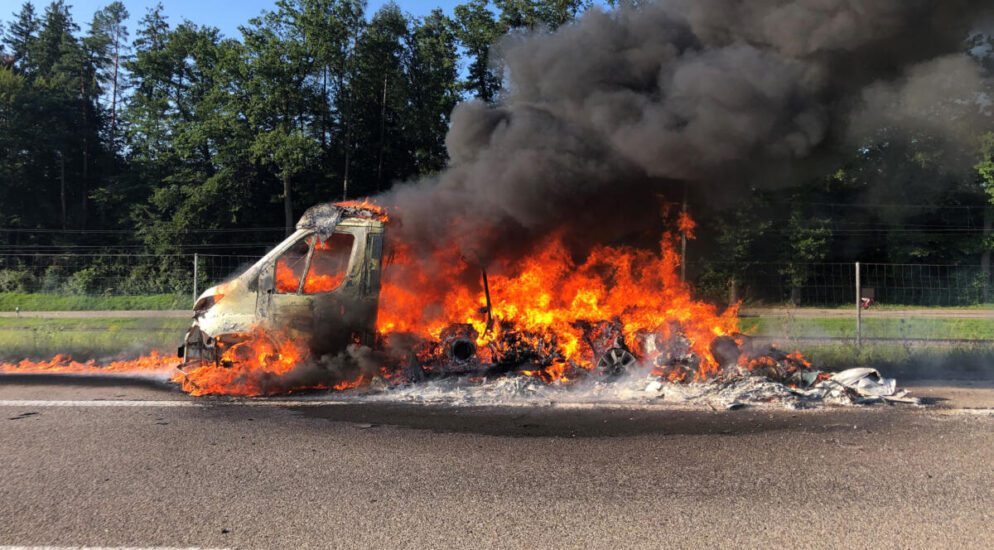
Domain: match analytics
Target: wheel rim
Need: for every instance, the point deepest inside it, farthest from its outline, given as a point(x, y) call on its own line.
point(615, 361)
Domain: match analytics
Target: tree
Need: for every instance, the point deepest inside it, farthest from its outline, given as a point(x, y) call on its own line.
point(289, 153)
point(151, 71)
point(20, 37)
point(985, 168)
point(738, 235)
point(985, 171)
point(378, 102)
point(432, 84)
point(531, 14)
point(282, 94)
point(331, 28)
point(480, 24)
point(108, 43)
point(478, 29)
point(13, 163)
point(807, 243)
point(57, 34)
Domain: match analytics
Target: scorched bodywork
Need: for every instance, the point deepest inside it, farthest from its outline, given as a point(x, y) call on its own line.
point(319, 287)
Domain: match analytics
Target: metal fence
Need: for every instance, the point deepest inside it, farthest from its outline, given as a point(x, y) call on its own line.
point(116, 274)
point(822, 285)
point(834, 284)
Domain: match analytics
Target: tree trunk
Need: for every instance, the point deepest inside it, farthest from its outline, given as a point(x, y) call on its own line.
point(383, 118)
point(86, 144)
point(113, 93)
point(795, 295)
point(985, 258)
point(350, 62)
point(287, 205)
point(62, 188)
point(85, 180)
point(733, 290)
point(324, 112)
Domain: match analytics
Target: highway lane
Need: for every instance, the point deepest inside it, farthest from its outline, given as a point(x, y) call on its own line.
point(127, 463)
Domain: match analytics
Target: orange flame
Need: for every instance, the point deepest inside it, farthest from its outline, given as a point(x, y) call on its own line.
point(250, 367)
point(287, 280)
point(153, 363)
point(548, 293)
point(375, 211)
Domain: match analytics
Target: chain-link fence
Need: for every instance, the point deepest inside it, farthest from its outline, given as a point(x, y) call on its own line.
point(116, 274)
point(806, 285)
point(834, 284)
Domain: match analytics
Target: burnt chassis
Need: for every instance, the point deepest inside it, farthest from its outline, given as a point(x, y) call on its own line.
point(329, 322)
point(511, 351)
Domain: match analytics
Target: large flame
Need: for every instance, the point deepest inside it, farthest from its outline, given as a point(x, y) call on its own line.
point(153, 363)
point(326, 269)
point(254, 366)
point(552, 297)
point(548, 299)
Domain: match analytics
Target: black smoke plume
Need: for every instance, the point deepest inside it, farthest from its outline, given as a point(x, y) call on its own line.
point(605, 113)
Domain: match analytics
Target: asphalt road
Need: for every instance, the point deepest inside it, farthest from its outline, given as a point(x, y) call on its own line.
point(121, 464)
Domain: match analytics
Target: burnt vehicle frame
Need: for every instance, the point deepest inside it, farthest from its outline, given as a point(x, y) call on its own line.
point(329, 321)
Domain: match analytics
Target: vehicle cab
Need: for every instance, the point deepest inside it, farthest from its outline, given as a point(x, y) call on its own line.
point(320, 286)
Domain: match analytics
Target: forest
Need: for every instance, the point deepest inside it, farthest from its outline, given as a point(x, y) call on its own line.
point(171, 138)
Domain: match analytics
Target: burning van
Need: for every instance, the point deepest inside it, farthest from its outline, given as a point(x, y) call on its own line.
point(320, 287)
point(317, 294)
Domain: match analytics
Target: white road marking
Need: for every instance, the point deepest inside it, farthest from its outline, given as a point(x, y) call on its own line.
point(119, 403)
point(158, 404)
point(104, 548)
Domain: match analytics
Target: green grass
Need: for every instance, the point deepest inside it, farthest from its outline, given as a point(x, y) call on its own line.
point(83, 339)
point(907, 358)
point(895, 360)
point(787, 327)
point(878, 306)
point(61, 302)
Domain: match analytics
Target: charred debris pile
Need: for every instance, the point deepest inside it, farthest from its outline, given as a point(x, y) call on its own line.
point(657, 365)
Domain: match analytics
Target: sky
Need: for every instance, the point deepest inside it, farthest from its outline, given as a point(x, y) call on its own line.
point(226, 15)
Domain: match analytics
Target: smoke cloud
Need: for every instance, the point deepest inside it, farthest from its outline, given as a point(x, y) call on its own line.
point(603, 114)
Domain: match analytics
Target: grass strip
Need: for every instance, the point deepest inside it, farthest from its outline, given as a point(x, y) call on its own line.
point(9, 301)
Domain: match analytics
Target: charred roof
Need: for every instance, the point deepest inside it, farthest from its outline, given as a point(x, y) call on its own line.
point(323, 218)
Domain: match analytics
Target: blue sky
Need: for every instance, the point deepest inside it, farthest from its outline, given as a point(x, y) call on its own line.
point(224, 14)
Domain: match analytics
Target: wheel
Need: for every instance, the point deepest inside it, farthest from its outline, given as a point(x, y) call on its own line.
point(615, 362)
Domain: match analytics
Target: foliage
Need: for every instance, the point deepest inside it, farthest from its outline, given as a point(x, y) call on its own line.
point(985, 168)
point(15, 280)
point(173, 138)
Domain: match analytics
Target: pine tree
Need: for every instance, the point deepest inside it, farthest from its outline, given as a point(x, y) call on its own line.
point(432, 86)
point(108, 46)
point(150, 69)
point(56, 37)
point(20, 38)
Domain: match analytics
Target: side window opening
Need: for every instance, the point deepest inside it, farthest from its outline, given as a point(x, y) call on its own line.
point(290, 268)
point(329, 263)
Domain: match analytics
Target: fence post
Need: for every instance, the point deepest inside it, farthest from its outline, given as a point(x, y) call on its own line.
point(859, 311)
point(196, 262)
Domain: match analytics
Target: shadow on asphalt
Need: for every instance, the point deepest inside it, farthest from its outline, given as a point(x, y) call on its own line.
point(585, 423)
point(525, 421)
